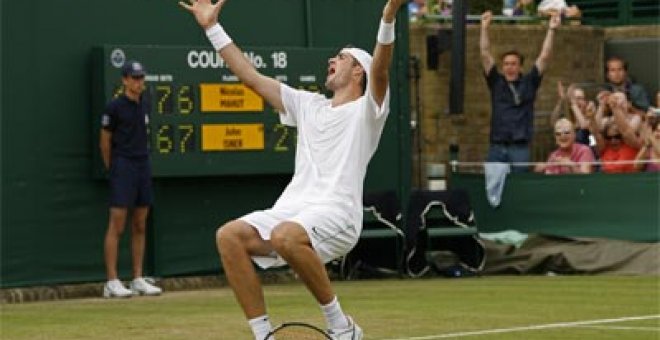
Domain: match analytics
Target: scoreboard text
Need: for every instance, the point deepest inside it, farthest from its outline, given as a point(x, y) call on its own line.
point(204, 122)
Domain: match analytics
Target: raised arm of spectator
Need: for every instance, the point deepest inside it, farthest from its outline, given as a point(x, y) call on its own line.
point(597, 131)
point(644, 152)
point(559, 107)
point(601, 97)
point(580, 118)
point(619, 107)
point(380, 65)
point(546, 50)
point(642, 155)
point(206, 14)
point(487, 60)
point(655, 144)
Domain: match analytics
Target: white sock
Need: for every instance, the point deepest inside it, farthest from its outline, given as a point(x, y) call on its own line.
point(334, 316)
point(260, 326)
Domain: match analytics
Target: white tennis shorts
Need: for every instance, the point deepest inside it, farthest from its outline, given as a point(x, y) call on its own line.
point(331, 230)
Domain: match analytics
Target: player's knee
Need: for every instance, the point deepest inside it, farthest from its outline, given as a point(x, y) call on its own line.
point(226, 235)
point(283, 240)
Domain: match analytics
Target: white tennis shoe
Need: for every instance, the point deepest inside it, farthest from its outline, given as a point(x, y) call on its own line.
point(140, 286)
point(115, 289)
point(353, 332)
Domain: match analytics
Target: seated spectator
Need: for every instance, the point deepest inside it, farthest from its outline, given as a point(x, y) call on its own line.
point(416, 9)
point(627, 118)
point(525, 7)
point(611, 147)
point(613, 105)
point(650, 150)
point(617, 80)
point(551, 7)
point(603, 113)
point(444, 7)
point(570, 157)
point(580, 110)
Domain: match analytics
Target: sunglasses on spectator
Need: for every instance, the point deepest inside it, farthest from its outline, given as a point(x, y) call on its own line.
point(562, 133)
point(610, 137)
point(137, 77)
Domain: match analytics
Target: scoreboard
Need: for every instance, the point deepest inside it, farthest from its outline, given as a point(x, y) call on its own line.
point(203, 120)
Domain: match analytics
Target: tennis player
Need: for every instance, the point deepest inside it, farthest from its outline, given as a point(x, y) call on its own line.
point(318, 217)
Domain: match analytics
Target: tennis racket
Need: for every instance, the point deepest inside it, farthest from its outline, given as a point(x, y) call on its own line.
point(297, 331)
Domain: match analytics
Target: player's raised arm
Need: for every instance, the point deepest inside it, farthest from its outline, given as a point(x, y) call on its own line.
point(379, 77)
point(206, 13)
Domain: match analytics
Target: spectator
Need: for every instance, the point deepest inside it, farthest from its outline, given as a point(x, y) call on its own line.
point(509, 7)
point(603, 113)
point(650, 150)
point(611, 147)
point(627, 118)
point(445, 7)
point(558, 7)
point(512, 97)
point(618, 80)
point(580, 109)
point(617, 107)
point(570, 157)
point(417, 9)
point(525, 7)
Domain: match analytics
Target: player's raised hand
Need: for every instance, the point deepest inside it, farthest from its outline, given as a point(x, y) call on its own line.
point(205, 11)
point(396, 3)
point(391, 7)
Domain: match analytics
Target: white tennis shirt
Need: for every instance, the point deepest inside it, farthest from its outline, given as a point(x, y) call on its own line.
point(333, 149)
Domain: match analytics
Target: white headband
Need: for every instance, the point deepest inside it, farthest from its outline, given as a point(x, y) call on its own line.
point(362, 56)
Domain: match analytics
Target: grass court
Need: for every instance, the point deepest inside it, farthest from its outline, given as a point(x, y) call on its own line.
point(500, 307)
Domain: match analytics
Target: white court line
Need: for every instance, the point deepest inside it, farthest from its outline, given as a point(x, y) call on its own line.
point(532, 327)
point(624, 328)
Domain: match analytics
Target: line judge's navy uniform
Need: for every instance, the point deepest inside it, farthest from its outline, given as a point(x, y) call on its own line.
point(130, 168)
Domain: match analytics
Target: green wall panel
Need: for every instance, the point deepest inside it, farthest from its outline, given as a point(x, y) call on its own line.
point(595, 205)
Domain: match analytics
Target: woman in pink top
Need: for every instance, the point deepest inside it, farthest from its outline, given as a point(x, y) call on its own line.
point(570, 157)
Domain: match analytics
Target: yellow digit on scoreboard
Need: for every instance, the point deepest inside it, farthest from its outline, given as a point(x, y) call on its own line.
point(229, 98)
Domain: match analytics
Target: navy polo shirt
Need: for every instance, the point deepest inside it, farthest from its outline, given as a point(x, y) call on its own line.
point(512, 122)
point(128, 120)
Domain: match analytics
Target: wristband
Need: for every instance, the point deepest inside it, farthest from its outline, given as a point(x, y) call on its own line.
point(386, 32)
point(218, 37)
